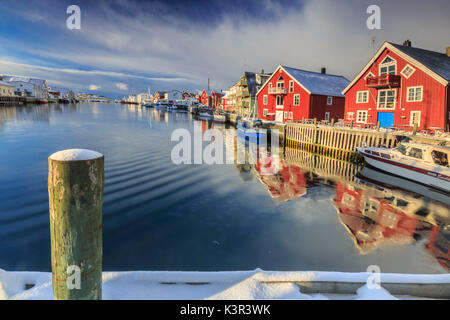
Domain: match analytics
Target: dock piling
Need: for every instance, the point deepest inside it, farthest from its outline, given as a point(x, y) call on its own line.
point(75, 188)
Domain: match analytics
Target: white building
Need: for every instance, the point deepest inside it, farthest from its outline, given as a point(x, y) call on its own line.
point(6, 89)
point(36, 88)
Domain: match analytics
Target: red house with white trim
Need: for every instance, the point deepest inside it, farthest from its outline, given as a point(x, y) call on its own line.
point(213, 99)
point(293, 94)
point(401, 86)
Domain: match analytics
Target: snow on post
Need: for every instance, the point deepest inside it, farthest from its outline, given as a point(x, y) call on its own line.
point(75, 189)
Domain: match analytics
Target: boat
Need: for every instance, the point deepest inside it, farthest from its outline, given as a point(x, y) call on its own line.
point(422, 163)
point(205, 115)
point(250, 130)
point(219, 118)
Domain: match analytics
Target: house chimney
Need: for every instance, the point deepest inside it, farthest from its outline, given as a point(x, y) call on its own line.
point(323, 70)
point(407, 43)
point(447, 50)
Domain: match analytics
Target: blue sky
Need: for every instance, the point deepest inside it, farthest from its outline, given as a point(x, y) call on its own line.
point(127, 46)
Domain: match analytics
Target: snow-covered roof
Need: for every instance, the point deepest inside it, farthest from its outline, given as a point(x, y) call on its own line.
point(38, 82)
point(319, 83)
point(2, 83)
point(435, 61)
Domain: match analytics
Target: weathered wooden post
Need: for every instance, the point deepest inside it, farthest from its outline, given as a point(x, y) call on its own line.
point(332, 122)
point(378, 125)
point(75, 189)
point(351, 124)
point(315, 121)
point(415, 129)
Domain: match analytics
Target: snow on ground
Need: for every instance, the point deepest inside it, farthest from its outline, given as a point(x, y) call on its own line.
point(245, 285)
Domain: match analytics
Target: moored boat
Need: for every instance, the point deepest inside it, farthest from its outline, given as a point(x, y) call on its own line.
point(219, 118)
point(423, 163)
point(251, 130)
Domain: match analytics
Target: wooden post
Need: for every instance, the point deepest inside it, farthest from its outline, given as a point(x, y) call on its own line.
point(351, 124)
point(378, 125)
point(415, 129)
point(75, 189)
point(332, 122)
point(315, 121)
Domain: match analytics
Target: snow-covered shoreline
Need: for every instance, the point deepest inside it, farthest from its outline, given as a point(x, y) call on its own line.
point(235, 285)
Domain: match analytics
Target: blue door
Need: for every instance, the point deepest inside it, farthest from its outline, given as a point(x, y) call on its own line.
point(386, 119)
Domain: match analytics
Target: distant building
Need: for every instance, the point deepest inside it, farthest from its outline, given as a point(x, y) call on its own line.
point(402, 86)
point(6, 89)
point(36, 88)
point(292, 94)
point(161, 96)
point(241, 97)
point(211, 99)
point(90, 97)
point(143, 98)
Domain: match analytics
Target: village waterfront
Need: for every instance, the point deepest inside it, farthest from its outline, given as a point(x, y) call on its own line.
point(161, 216)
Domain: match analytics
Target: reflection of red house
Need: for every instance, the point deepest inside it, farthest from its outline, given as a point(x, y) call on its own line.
point(286, 184)
point(439, 245)
point(371, 220)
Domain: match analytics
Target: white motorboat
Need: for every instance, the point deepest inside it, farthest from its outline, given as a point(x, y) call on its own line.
point(423, 163)
point(219, 118)
point(205, 115)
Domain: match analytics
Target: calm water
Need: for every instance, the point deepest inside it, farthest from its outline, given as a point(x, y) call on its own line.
point(312, 214)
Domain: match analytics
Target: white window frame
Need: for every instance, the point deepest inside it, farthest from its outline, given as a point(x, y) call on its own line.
point(265, 111)
point(369, 74)
point(285, 114)
point(265, 100)
point(295, 96)
point(411, 118)
point(329, 101)
point(279, 105)
point(415, 90)
point(327, 116)
point(367, 96)
point(361, 112)
point(350, 115)
point(378, 99)
point(291, 115)
point(388, 64)
point(403, 70)
point(291, 86)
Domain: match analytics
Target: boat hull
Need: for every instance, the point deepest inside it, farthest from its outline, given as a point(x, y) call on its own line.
point(423, 176)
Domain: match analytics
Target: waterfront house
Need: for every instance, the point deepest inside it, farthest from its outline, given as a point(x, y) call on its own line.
point(29, 87)
point(161, 96)
point(211, 99)
point(402, 86)
point(6, 89)
point(241, 97)
point(292, 94)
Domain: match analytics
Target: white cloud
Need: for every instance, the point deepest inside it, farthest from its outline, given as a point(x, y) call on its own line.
point(121, 86)
point(94, 87)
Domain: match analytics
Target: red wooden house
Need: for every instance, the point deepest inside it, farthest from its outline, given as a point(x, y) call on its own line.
point(292, 94)
point(401, 86)
point(212, 99)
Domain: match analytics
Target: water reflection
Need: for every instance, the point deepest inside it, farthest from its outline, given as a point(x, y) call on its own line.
point(374, 214)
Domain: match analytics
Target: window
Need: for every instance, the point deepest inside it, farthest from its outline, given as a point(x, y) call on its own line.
point(370, 74)
point(329, 101)
point(350, 115)
point(414, 94)
point(265, 99)
point(362, 97)
point(291, 86)
point(407, 71)
point(415, 118)
point(386, 99)
point(296, 99)
point(291, 115)
point(285, 114)
point(361, 116)
point(327, 116)
point(270, 87)
point(388, 66)
point(280, 101)
point(265, 112)
point(415, 153)
point(440, 158)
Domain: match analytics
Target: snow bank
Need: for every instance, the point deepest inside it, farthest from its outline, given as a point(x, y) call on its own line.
point(75, 155)
point(248, 285)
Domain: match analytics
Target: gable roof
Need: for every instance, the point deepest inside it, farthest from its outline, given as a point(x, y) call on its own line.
point(435, 61)
point(2, 83)
point(315, 82)
point(436, 64)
